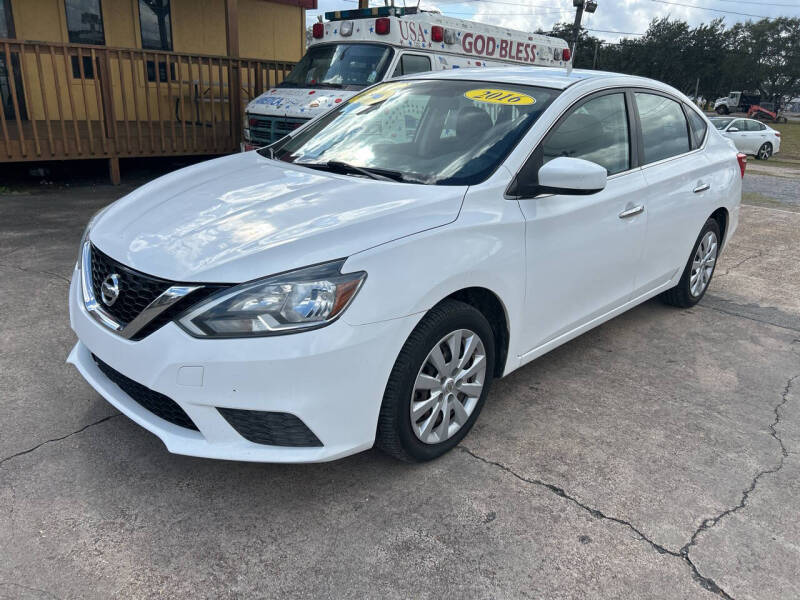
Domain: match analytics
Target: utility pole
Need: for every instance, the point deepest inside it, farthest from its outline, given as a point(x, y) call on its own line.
point(594, 62)
point(580, 5)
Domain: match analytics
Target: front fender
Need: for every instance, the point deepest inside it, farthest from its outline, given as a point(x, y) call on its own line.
point(484, 247)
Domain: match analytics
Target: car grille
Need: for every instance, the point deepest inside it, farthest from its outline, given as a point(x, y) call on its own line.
point(270, 428)
point(137, 291)
point(160, 405)
point(265, 130)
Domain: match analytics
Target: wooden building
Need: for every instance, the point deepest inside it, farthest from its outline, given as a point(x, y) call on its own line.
point(123, 78)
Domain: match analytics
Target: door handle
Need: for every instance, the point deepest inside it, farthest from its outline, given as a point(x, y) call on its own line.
point(702, 188)
point(629, 212)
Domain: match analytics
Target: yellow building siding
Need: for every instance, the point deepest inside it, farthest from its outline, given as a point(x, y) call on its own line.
point(266, 30)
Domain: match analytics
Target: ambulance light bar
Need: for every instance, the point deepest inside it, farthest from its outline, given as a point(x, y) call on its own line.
point(365, 13)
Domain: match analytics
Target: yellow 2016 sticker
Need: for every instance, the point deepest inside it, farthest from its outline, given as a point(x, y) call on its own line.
point(493, 96)
point(378, 94)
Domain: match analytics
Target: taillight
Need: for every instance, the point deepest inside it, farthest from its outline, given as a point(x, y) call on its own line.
point(742, 158)
point(777, 134)
point(437, 33)
point(566, 54)
point(382, 25)
point(318, 30)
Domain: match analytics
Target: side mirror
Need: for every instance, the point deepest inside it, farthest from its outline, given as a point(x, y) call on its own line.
point(572, 176)
point(733, 129)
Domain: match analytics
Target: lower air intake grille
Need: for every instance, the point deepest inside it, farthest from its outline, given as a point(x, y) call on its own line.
point(270, 428)
point(158, 404)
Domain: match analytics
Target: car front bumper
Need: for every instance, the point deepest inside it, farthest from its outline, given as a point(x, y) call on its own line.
point(331, 378)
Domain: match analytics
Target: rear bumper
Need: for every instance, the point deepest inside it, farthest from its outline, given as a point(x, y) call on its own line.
point(332, 379)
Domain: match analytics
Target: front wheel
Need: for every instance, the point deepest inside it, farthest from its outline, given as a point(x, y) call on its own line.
point(722, 110)
point(699, 269)
point(438, 384)
point(765, 151)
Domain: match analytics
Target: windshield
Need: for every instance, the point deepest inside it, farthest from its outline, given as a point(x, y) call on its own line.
point(353, 66)
point(720, 123)
point(425, 131)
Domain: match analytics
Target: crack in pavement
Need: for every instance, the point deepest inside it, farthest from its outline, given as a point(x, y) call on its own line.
point(28, 588)
point(759, 254)
point(705, 582)
point(58, 439)
point(712, 521)
point(744, 316)
point(35, 272)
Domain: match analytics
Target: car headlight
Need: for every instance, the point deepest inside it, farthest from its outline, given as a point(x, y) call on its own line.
point(299, 300)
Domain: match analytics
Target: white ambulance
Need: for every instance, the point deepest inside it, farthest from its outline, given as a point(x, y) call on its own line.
point(358, 48)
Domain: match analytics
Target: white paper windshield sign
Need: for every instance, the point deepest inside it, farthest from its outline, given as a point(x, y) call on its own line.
point(493, 96)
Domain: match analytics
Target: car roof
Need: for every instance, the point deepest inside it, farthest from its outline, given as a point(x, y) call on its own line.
point(551, 77)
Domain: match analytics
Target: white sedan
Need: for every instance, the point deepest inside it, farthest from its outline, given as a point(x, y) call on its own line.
point(750, 136)
point(358, 284)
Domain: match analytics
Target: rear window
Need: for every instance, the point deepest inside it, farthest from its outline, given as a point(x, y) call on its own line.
point(664, 129)
point(697, 125)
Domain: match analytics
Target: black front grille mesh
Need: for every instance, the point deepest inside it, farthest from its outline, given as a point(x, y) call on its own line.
point(270, 428)
point(136, 289)
point(157, 403)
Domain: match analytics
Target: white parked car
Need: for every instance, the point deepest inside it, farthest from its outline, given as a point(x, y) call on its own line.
point(750, 136)
point(341, 288)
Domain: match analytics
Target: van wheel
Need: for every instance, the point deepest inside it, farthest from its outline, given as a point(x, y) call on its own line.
point(699, 269)
point(438, 385)
point(765, 151)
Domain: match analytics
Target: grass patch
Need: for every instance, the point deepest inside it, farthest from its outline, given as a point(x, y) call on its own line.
point(790, 139)
point(756, 199)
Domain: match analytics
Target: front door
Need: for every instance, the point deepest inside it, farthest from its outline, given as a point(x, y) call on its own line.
point(582, 252)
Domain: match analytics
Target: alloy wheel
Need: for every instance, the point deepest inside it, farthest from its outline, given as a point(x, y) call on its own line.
point(448, 386)
point(705, 258)
point(764, 152)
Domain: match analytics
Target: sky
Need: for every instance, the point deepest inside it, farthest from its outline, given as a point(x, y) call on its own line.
point(613, 15)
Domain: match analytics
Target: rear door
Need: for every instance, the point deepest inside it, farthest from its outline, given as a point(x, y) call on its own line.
point(582, 252)
point(679, 179)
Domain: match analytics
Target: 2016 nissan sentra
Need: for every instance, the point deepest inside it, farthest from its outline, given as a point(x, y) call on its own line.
point(363, 280)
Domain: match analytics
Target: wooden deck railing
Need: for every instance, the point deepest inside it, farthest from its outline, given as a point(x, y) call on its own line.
point(72, 101)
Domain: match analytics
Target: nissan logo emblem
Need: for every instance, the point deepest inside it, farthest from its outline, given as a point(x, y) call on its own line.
point(109, 289)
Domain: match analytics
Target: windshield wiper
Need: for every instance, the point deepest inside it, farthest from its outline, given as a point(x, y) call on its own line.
point(287, 84)
point(344, 168)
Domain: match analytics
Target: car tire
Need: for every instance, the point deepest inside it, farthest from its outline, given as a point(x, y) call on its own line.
point(689, 292)
point(722, 110)
point(398, 433)
point(764, 152)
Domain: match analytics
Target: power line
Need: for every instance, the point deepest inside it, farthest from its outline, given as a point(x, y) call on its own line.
point(795, 5)
point(730, 12)
point(611, 31)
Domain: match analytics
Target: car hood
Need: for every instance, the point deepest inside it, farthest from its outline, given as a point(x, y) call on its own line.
point(243, 216)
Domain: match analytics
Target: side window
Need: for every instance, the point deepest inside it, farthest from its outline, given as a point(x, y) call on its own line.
point(664, 129)
point(756, 126)
point(596, 131)
point(412, 63)
point(85, 22)
point(698, 126)
point(154, 21)
point(739, 124)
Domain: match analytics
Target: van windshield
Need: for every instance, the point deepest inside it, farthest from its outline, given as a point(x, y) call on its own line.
point(438, 132)
point(348, 66)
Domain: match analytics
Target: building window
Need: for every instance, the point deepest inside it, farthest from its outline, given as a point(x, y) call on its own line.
point(154, 19)
point(6, 22)
point(85, 22)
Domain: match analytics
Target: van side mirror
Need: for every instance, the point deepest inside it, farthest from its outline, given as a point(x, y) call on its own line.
point(571, 176)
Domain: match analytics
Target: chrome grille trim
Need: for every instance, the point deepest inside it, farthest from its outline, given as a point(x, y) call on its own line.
point(161, 303)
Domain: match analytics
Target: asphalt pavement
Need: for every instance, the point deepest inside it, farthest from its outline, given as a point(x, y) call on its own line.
point(657, 456)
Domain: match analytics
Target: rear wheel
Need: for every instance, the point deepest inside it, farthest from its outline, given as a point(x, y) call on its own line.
point(699, 269)
point(765, 151)
point(438, 384)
